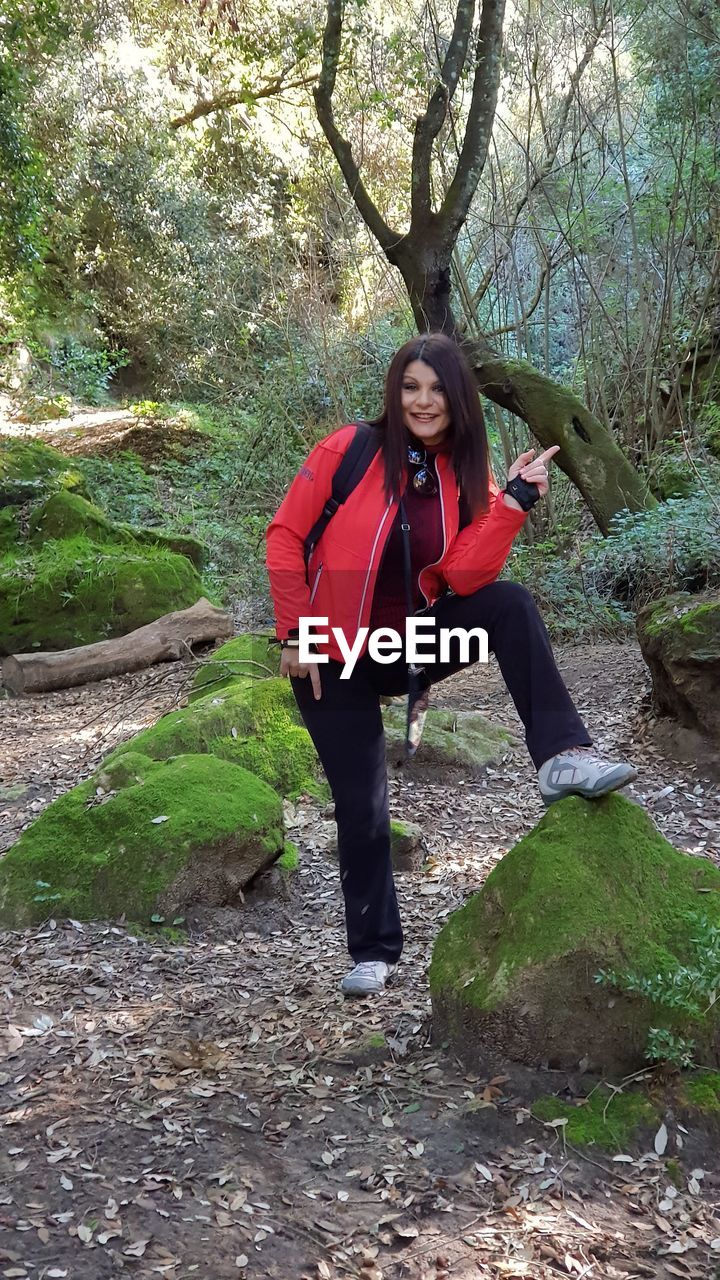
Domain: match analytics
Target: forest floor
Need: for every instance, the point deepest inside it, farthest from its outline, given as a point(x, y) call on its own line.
point(214, 1108)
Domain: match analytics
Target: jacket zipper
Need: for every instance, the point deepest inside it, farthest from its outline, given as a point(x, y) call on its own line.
point(370, 565)
point(316, 582)
point(444, 533)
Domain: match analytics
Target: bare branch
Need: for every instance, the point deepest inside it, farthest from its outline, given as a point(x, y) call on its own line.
point(474, 149)
point(428, 126)
point(239, 97)
point(323, 94)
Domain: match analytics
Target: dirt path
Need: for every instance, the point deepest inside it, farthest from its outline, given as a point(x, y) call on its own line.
point(215, 1109)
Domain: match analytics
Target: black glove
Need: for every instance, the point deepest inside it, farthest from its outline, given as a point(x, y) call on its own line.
point(526, 494)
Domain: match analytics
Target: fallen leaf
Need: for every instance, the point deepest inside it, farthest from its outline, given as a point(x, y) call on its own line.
point(661, 1140)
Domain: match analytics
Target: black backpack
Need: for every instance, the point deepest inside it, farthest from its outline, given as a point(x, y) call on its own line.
point(363, 447)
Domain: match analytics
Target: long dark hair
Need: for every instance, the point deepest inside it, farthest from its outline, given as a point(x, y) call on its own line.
point(467, 436)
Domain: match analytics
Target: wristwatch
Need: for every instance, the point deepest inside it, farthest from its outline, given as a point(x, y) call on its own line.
point(523, 493)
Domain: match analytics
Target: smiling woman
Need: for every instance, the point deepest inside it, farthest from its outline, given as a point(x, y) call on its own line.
point(426, 412)
point(420, 540)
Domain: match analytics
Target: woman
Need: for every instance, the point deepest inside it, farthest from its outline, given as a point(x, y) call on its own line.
point(425, 529)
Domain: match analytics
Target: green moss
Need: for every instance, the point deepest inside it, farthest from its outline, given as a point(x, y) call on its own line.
point(687, 624)
point(124, 771)
point(290, 858)
point(254, 724)
point(675, 1173)
point(570, 881)
point(9, 529)
point(29, 470)
point(605, 1120)
point(182, 544)
point(65, 515)
point(376, 1040)
point(75, 591)
point(96, 858)
point(245, 658)
point(703, 1092)
point(462, 739)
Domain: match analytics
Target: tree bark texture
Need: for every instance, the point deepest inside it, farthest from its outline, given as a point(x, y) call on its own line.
point(167, 639)
point(588, 455)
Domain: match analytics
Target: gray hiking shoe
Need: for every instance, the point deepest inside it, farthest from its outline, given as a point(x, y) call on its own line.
point(367, 978)
point(580, 772)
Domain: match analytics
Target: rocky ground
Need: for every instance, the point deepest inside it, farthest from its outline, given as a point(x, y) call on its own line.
point(213, 1108)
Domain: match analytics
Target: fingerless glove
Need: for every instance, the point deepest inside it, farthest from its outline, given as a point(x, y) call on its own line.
point(523, 493)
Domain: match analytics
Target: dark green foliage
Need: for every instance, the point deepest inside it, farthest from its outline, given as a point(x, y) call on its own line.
point(689, 989)
point(675, 547)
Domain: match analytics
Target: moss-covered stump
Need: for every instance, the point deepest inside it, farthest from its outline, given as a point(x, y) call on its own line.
point(680, 641)
point(256, 725)
point(75, 591)
point(241, 661)
point(593, 887)
point(165, 836)
point(462, 740)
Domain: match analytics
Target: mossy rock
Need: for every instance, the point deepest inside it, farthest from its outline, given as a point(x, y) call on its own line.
point(75, 591)
point(30, 470)
point(407, 845)
point(680, 642)
point(65, 515)
point(182, 544)
point(256, 726)
point(238, 663)
point(191, 830)
point(593, 887)
point(462, 740)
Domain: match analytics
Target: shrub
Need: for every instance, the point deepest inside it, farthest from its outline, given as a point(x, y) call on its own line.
point(673, 547)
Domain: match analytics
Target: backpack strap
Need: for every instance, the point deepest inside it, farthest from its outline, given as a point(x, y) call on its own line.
point(360, 453)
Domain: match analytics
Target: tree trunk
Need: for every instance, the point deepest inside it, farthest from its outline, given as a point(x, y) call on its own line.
point(426, 275)
point(167, 639)
point(588, 453)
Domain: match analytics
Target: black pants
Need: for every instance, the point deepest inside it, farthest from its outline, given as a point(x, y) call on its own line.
point(347, 729)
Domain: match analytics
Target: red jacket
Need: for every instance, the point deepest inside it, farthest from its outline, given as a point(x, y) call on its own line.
point(343, 568)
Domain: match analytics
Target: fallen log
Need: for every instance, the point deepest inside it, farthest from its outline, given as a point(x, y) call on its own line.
point(167, 639)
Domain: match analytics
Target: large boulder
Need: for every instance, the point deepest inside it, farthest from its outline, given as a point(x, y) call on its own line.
point(680, 641)
point(462, 740)
point(253, 723)
point(75, 591)
point(594, 887)
point(141, 839)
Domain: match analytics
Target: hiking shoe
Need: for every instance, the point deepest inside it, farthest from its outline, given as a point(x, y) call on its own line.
point(579, 772)
point(367, 978)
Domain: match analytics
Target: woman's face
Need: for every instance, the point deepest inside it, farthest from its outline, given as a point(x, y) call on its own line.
point(425, 408)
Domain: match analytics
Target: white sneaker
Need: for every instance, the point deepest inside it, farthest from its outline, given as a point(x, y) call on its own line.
point(367, 978)
point(580, 772)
